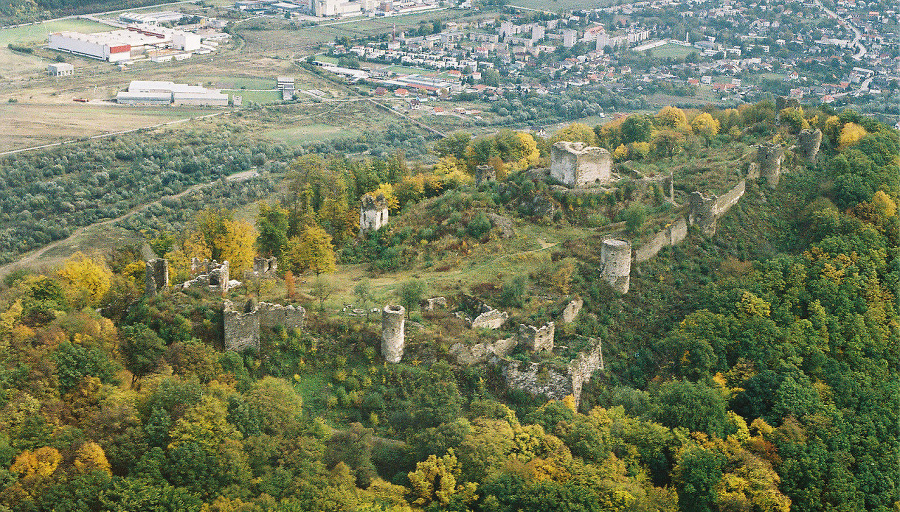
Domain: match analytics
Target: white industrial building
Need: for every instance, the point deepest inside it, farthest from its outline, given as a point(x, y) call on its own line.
point(342, 7)
point(122, 45)
point(60, 69)
point(142, 92)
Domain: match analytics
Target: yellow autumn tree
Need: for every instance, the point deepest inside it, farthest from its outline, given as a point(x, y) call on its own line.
point(238, 245)
point(38, 463)
point(705, 126)
point(851, 133)
point(387, 191)
point(671, 117)
point(576, 132)
point(90, 457)
point(527, 151)
point(88, 280)
point(434, 481)
point(311, 251)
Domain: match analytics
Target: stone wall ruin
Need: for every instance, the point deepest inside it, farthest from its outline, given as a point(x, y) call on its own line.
point(373, 213)
point(214, 276)
point(808, 143)
point(265, 267)
point(546, 380)
point(241, 327)
point(393, 336)
point(485, 173)
point(537, 339)
point(577, 165)
point(571, 311)
point(769, 158)
point(615, 258)
point(156, 276)
point(489, 318)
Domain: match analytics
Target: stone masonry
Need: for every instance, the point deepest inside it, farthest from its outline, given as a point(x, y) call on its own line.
point(544, 379)
point(489, 318)
point(393, 336)
point(214, 276)
point(485, 173)
point(702, 212)
point(241, 327)
point(571, 311)
point(615, 257)
point(808, 143)
point(577, 165)
point(537, 339)
point(769, 158)
point(373, 213)
point(156, 276)
point(265, 267)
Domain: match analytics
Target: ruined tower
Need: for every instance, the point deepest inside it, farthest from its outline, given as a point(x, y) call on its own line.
point(702, 212)
point(156, 276)
point(808, 143)
point(577, 165)
point(241, 327)
point(265, 267)
point(485, 173)
point(769, 158)
point(393, 339)
point(615, 257)
point(373, 213)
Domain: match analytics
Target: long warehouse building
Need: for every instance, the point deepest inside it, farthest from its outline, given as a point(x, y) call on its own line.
point(122, 45)
point(143, 92)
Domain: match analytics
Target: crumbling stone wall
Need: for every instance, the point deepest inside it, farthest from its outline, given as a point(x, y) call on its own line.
point(373, 213)
point(577, 165)
point(434, 303)
point(393, 336)
point(274, 315)
point(615, 257)
point(214, 276)
point(769, 158)
point(504, 223)
point(671, 235)
point(482, 352)
point(702, 212)
point(544, 379)
point(485, 173)
point(571, 311)
point(537, 339)
point(808, 143)
point(241, 327)
point(265, 267)
point(156, 276)
point(489, 318)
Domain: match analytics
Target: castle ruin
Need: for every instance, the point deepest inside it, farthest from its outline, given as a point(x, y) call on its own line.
point(485, 173)
point(489, 318)
point(393, 337)
point(213, 276)
point(702, 212)
point(808, 142)
point(156, 276)
point(537, 339)
point(544, 379)
point(769, 158)
point(265, 267)
point(571, 311)
point(373, 213)
point(615, 258)
point(241, 327)
point(577, 165)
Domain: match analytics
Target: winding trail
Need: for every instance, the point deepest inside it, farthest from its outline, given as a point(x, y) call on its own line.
point(29, 258)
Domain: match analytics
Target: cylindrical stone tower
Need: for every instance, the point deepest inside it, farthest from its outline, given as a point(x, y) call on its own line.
point(615, 256)
point(393, 320)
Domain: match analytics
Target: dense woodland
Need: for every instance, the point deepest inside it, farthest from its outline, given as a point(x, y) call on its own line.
point(754, 370)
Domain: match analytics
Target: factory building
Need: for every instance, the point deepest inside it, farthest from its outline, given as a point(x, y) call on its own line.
point(122, 45)
point(141, 92)
point(60, 69)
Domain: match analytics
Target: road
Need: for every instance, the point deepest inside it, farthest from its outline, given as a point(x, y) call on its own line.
point(857, 39)
point(29, 258)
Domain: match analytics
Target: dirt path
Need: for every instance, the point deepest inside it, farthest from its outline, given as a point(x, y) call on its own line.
point(28, 259)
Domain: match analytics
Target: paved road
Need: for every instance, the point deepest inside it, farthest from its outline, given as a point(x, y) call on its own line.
point(860, 48)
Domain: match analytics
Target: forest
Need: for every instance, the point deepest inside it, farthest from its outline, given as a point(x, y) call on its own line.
point(757, 369)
